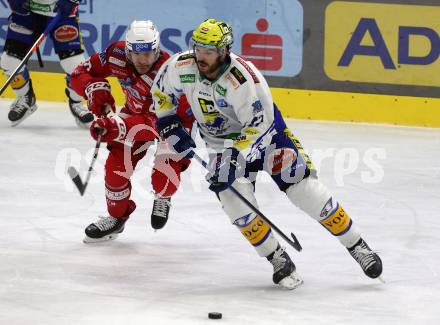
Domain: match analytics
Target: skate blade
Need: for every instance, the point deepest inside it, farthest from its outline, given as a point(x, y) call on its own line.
point(89, 240)
point(28, 113)
point(381, 279)
point(291, 282)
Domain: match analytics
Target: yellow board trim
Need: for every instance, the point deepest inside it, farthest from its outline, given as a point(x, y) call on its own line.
point(355, 107)
point(295, 103)
point(50, 87)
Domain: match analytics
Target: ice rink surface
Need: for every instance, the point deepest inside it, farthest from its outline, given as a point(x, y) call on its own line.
point(387, 178)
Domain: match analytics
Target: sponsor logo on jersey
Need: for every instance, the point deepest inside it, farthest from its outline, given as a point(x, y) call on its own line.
point(369, 42)
point(249, 69)
point(20, 29)
point(183, 63)
point(187, 78)
point(117, 50)
point(116, 61)
point(35, 6)
point(238, 75)
point(203, 93)
point(118, 72)
point(220, 90)
point(257, 107)
point(250, 131)
point(185, 57)
point(242, 142)
point(222, 103)
point(215, 123)
point(66, 33)
point(162, 100)
point(233, 81)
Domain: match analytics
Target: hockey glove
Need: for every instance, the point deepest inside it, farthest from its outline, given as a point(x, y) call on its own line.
point(99, 98)
point(20, 7)
point(171, 129)
point(227, 167)
point(110, 128)
point(66, 8)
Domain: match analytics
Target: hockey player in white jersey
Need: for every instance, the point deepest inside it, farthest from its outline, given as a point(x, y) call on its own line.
point(240, 123)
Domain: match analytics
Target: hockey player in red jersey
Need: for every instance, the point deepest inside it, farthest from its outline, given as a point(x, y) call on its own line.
point(129, 133)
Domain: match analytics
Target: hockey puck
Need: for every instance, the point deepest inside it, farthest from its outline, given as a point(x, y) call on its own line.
point(215, 315)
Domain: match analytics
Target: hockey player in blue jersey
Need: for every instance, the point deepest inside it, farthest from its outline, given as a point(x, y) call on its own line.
point(26, 23)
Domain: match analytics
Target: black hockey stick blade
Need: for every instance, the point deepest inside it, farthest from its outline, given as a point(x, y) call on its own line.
point(76, 179)
point(296, 243)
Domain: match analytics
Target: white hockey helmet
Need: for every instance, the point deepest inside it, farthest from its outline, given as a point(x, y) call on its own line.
point(142, 36)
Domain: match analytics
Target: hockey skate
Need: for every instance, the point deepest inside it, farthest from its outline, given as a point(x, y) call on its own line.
point(107, 228)
point(79, 111)
point(159, 215)
point(22, 107)
point(284, 273)
point(369, 261)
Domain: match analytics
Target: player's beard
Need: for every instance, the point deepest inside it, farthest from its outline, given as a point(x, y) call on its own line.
point(211, 68)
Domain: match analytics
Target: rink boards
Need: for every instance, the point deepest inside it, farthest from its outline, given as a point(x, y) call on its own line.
point(298, 103)
point(324, 60)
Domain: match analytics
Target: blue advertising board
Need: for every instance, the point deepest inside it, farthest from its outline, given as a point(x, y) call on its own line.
point(268, 32)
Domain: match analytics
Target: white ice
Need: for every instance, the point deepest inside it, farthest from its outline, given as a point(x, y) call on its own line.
point(388, 179)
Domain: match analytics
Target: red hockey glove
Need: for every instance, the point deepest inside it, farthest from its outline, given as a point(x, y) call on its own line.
point(99, 98)
point(111, 128)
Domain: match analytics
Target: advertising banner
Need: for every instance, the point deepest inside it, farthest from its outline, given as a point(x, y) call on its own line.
point(268, 32)
point(369, 42)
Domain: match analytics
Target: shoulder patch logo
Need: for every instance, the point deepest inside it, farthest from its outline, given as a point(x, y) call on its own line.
point(238, 75)
point(118, 51)
point(116, 61)
point(185, 57)
point(249, 69)
point(233, 81)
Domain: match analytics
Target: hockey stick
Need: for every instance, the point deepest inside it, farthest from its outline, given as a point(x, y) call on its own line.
point(295, 243)
point(74, 175)
point(40, 60)
point(31, 51)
